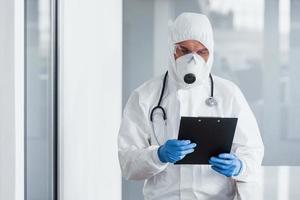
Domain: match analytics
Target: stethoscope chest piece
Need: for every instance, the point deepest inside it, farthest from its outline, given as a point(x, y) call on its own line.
point(211, 101)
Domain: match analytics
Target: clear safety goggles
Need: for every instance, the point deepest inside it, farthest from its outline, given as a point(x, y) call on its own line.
point(180, 50)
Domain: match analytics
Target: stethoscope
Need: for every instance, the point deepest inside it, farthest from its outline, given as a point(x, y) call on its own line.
point(210, 101)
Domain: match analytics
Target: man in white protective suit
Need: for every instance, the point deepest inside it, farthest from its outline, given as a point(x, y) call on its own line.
point(147, 142)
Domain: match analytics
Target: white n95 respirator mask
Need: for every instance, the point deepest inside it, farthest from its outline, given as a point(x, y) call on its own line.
point(191, 70)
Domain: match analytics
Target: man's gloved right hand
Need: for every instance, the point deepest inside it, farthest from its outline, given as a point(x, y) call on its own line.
point(175, 150)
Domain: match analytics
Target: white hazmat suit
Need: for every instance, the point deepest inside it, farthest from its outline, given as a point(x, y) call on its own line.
point(137, 146)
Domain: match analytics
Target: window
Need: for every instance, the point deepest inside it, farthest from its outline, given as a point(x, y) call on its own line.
point(40, 90)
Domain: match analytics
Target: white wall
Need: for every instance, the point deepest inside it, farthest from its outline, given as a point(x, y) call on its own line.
point(90, 98)
point(11, 100)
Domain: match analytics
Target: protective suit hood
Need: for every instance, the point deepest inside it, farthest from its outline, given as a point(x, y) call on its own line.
point(189, 26)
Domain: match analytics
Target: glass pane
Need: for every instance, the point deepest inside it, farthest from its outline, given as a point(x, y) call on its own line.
point(39, 101)
point(280, 182)
point(256, 46)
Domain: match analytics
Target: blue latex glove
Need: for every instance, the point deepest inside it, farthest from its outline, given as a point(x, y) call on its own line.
point(227, 164)
point(175, 150)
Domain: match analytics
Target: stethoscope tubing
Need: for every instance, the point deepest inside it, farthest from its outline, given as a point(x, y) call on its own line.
point(210, 101)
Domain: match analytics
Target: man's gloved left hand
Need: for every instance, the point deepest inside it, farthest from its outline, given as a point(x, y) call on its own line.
point(227, 164)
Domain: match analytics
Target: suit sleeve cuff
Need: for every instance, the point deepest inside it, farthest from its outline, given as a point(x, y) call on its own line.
point(156, 159)
point(241, 175)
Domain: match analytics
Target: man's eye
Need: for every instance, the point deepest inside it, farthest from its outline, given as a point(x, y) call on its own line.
point(203, 52)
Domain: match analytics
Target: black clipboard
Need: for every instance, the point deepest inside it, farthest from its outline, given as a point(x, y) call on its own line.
point(213, 135)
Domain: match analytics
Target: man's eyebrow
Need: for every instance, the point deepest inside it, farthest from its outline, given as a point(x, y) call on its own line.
point(183, 47)
point(186, 48)
point(204, 49)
